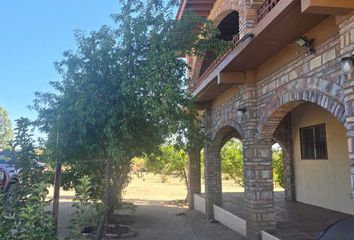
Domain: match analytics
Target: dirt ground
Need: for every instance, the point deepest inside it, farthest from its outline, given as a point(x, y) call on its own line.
point(160, 214)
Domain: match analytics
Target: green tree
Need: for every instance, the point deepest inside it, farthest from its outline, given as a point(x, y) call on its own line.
point(122, 93)
point(6, 133)
point(232, 161)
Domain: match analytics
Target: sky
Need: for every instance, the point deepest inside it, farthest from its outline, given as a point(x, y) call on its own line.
point(33, 35)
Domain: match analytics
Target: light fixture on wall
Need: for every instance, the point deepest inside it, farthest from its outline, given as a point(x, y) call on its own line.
point(347, 64)
point(304, 41)
point(241, 110)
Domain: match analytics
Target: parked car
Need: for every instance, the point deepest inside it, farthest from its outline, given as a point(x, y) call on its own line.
point(341, 230)
point(8, 171)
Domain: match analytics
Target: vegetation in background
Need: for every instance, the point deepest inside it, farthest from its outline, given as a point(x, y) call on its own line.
point(232, 161)
point(6, 133)
point(22, 209)
point(174, 161)
point(278, 172)
point(169, 161)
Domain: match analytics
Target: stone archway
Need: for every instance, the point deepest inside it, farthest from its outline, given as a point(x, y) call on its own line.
point(325, 94)
point(212, 167)
point(227, 20)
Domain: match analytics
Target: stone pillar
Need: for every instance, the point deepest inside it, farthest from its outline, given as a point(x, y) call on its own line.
point(212, 172)
point(248, 15)
point(259, 195)
point(288, 164)
point(346, 28)
point(194, 178)
point(258, 172)
point(283, 135)
point(349, 104)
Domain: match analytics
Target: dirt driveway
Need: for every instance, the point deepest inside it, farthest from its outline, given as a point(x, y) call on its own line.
point(159, 214)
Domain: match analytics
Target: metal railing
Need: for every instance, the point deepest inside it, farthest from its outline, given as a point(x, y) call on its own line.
point(265, 8)
point(214, 64)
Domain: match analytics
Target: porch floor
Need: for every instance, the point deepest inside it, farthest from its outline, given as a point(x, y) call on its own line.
point(295, 220)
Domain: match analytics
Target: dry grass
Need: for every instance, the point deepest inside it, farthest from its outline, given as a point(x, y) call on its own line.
point(150, 187)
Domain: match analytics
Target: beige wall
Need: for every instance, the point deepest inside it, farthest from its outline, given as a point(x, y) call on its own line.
point(324, 183)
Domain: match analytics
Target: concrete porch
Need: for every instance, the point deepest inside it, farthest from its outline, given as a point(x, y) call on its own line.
point(294, 220)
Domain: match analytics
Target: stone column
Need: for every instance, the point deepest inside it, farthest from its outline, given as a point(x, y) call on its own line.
point(288, 164)
point(212, 172)
point(283, 135)
point(346, 28)
point(194, 178)
point(259, 195)
point(248, 16)
point(212, 169)
point(258, 172)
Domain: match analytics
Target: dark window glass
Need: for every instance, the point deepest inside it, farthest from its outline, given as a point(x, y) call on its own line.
point(313, 142)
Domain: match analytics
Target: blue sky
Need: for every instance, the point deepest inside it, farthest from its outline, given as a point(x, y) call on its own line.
point(33, 35)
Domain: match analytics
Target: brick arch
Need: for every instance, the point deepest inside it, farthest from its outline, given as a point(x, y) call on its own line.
point(323, 93)
point(225, 132)
point(224, 9)
point(220, 13)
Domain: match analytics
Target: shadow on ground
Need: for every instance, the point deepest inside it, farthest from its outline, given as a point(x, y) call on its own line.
point(158, 220)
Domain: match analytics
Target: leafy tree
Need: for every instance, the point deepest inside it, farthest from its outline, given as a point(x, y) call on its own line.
point(122, 93)
point(6, 133)
point(232, 161)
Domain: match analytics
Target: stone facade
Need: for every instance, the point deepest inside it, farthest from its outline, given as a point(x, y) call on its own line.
point(347, 49)
point(315, 78)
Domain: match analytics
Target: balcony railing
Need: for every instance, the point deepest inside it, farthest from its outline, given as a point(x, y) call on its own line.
point(265, 8)
point(214, 64)
point(262, 11)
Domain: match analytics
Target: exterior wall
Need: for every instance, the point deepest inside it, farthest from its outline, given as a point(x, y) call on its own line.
point(324, 183)
point(347, 48)
point(285, 81)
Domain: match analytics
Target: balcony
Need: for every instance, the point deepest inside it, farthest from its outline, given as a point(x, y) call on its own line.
point(280, 23)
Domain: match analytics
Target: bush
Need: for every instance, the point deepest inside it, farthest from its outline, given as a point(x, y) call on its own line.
point(24, 216)
point(87, 212)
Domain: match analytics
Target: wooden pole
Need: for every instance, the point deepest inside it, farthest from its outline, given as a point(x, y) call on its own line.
point(57, 182)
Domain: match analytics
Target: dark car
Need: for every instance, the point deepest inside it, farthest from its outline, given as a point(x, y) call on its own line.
point(341, 230)
point(8, 171)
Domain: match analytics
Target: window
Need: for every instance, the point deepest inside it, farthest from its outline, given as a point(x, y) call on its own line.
point(313, 142)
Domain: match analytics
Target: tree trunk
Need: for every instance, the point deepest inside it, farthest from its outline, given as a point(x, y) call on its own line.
point(56, 196)
point(187, 185)
point(112, 200)
point(106, 197)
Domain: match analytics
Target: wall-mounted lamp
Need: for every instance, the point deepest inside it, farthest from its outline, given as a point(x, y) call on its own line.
point(304, 41)
point(241, 110)
point(347, 64)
